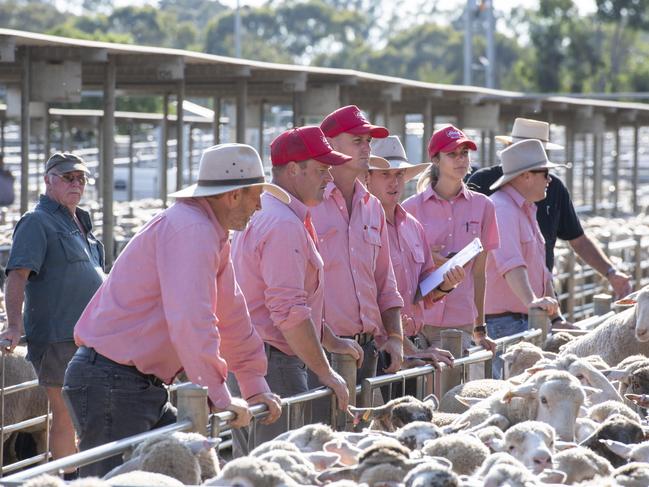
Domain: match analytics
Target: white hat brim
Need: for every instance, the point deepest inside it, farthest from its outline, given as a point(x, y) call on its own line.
point(508, 139)
point(378, 163)
point(195, 191)
point(505, 178)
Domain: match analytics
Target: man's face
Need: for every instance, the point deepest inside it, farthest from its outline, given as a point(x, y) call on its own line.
point(355, 146)
point(539, 182)
point(312, 179)
point(66, 189)
point(247, 202)
point(387, 185)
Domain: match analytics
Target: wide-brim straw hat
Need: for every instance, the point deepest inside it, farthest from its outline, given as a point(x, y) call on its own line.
point(520, 157)
point(388, 153)
point(226, 167)
point(525, 129)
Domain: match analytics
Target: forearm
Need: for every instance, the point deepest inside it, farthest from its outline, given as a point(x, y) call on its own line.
point(304, 343)
point(591, 253)
point(392, 322)
point(479, 286)
point(519, 284)
point(14, 298)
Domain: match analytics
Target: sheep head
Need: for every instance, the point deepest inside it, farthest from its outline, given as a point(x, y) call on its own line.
point(642, 315)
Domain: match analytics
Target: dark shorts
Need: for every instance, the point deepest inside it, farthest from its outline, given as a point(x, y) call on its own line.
point(50, 361)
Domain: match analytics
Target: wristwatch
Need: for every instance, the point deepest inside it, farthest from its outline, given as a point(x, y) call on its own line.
point(480, 329)
point(610, 270)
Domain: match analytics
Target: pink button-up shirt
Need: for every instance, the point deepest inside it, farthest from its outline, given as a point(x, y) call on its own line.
point(411, 261)
point(171, 302)
point(360, 280)
point(452, 225)
point(524, 246)
point(279, 270)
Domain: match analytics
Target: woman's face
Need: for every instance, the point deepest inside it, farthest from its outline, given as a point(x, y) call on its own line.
point(455, 164)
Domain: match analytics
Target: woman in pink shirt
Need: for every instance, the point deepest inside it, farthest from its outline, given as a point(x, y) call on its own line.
point(452, 216)
point(411, 261)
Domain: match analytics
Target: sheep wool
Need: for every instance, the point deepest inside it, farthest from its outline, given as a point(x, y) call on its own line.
point(581, 464)
point(253, 471)
point(480, 388)
point(145, 479)
point(465, 451)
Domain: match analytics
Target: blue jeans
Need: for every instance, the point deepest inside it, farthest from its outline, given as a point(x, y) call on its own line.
point(503, 326)
point(108, 401)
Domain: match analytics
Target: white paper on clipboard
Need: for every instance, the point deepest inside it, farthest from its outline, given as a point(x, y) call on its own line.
point(437, 276)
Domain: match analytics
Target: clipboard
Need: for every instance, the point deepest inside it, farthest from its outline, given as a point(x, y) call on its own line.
point(462, 258)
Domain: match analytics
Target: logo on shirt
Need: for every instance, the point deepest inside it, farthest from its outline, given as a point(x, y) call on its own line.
point(454, 134)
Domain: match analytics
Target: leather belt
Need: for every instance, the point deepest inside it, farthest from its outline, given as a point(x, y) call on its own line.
point(94, 356)
point(516, 316)
point(360, 338)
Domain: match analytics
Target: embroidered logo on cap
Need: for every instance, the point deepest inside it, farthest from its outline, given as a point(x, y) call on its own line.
point(454, 134)
point(324, 140)
point(360, 116)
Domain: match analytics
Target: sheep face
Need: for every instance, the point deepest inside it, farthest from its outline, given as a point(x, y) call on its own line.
point(532, 443)
point(642, 315)
point(396, 413)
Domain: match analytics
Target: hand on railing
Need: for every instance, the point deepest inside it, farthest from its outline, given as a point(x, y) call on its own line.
point(10, 339)
point(272, 401)
point(241, 411)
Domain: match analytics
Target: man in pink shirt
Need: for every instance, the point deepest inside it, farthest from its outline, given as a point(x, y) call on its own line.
point(171, 303)
point(281, 274)
point(517, 276)
point(361, 296)
point(409, 250)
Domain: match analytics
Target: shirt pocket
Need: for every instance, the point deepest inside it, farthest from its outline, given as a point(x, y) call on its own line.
point(417, 251)
point(372, 238)
point(73, 249)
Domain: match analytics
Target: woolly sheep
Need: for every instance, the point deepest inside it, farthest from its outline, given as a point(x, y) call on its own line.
point(623, 334)
point(599, 412)
point(480, 388)
point(465, 451)
point(492, 436)
point(581, 464)
point(522, 356)
point(555, 341)
point(144, 479)
point(294, 464)
point(632, 453)
point(431, 475)
point(310, 437)
point(532, 443)
point(632, 475)
point(396, 413)
point(252, 472)
point(44, 480)
point(444, 419)
point(510, 476)
point(618, 428)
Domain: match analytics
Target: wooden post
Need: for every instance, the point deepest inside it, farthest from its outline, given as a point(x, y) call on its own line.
point(638, 257)
point(242, 102)
point(216, 122)
point(164, 157)
point(451, 341)
point(192, 405)
point(635, 172)
point(570, 158)
point(429, 126)
point(108, 161)
point(570, 305)
point(345, 365)
point(538, 320)
point(602, 304)
point(616, 169)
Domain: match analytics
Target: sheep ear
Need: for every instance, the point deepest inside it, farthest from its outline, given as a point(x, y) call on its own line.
point(616, 374)
point(323, 460)
point(468, 401)
point(369, 413)
point(507, 356)
point(524, 390)
point(550, 355)
point(197, 446)
point(583, 411)
point(591, 390)
point(620, 449)
point(332, 475)
point(539, 368)
point(641, 400)
point(444, 462)
point(433, 401)
point(454, 428)
point(128, 466)
point(564, 445)
point(549, 476)
point(496, 444)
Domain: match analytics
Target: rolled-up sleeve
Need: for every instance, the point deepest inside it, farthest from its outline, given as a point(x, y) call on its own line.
point(186, 263)
point(490, 233)
point(29, 245)
point(510, 253)
point(283, 269)
point(387, 291)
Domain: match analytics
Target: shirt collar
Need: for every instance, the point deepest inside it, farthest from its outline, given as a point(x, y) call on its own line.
point(429, 192)
point(51, 206)
point(518, 198)
point(296, 206)
point(207, 209)
point(48, 203)
point(400, 216)
point(360, 191)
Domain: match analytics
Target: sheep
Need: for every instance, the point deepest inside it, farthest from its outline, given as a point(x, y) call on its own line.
point(294, 464)
point(531, 442)
point(396, 413)
point(44, 480)
point(632, 475)
point(144, 479)
point(522, 356)
point(599, 412)
point(431, 475)
point(23, 405)
point(492, 436)
point(415, 434)
point(444, 419)
point(633, 453)
point(555, 341)
point(465, 451)
point(581, 464)
point(554, 397)
point(310, 437)
point(616, 427)
point(510, 476)
point(480, 388)
point(252, 472)
point(621, 335)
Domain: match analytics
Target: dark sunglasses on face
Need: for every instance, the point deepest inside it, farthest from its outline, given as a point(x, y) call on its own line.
point(545, 172)
point(69, 178)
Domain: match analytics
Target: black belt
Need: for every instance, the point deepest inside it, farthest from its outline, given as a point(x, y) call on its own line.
point(360, 338)
point(94, 356)
point(516, 316)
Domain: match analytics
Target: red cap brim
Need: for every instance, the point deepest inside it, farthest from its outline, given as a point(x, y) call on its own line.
point(375, 131)
point(333, 158)
point(457, 143)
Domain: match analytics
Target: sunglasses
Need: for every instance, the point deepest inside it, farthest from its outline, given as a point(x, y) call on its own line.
point(545, 172)
point(82, 179)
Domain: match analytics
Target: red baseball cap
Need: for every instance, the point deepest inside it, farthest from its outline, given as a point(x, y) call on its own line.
point(447, 139)
point(304, 143)
point(350, 119)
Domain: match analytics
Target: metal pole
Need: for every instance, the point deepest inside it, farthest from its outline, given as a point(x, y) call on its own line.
point(570, 158)
point(242, 102)
point(387, 113)
point(24, 130)
point(616, 168)
point(180, 126)
point(62, 126)
point(538, 319)
point(216, 122)
point(596, 173)
point(108, 153)
point(451, 341)
point(2, 134)
point(429, 126)
point(190, 152)
point(468, 42)
point(297, 104)
point(492, 147)
point(131, 160)
point(635, 173)
point(164, 159)
point(345, 365)
point(47, 145)
point(192, 405)
point(602, 304)
point(491, 46)
point(262, 107)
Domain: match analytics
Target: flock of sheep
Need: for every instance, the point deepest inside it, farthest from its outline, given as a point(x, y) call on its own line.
point(569, 414)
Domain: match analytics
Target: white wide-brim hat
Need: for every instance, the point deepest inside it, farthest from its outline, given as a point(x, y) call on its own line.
point(226, 167)
point(388, 153)
point(520, 157)
point(525, 129)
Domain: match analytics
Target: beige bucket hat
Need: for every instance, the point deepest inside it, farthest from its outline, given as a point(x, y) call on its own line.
point(388, 153)
point(521, 157)
point(525, 128)
point(226, 167)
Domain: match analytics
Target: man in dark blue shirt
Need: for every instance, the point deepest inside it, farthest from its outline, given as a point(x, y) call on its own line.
point(555, 214)
point(55, 266)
